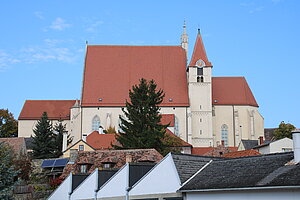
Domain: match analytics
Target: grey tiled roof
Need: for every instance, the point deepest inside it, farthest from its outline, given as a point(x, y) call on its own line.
point(249, 144)
point(253, 171)
point(188, 165)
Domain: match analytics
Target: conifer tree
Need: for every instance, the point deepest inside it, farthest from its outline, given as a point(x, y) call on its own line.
point(7, 171)
point(43, 139)
point(59, 129)
point(141, 127)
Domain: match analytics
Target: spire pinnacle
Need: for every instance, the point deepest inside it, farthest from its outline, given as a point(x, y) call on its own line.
point(199, 53)
point(184, 38)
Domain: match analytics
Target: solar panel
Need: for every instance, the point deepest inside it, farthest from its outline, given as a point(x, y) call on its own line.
point(60, 162)
point(55, 163)
point(47, 163)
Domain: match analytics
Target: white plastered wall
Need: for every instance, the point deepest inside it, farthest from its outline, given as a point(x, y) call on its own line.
point(238, 119)
point(162, 179)
point(25, 127)
point(86, 190)
point(200, 95)
point(88, 113)
point(62, 192)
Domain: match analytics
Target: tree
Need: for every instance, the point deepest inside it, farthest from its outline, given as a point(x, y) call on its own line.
point(43, 139)
point(110, 129)
point(23, 164)
point(59, 130)
point(8, 124)
point(141, 127)
point(7, 171)
point(284, 130)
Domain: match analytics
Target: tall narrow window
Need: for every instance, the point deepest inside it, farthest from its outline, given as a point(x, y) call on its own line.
point(224, 134)
point(95, 123)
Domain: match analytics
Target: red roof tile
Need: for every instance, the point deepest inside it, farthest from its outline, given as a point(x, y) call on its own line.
point(232, 91)
point(56, 109)
point(101, 141)
point(168, 118)
point(207, 151)
point(16, 143)
point(182, 142)
point(249, 152)
point(199, 52)
point(110, 71)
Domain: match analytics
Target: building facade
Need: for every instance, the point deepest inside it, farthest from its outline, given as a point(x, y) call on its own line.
point(207, 109)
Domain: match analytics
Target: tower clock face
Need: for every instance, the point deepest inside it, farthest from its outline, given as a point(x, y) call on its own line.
point(200, 63)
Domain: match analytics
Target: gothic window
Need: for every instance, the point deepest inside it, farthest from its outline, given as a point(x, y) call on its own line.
point(96, 123)
point(224, 134)
point(201, 79)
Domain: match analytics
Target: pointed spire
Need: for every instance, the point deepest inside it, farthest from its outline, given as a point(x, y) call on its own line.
point(76, 105)
point(184, 38)
point(199, 52)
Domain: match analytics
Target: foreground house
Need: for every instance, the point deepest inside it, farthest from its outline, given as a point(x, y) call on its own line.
point(65, 189)
point(282, 145)
point(206, 109)
point(271, 176)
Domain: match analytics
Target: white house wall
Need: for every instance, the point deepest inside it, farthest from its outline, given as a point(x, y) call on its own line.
point(62, 192)
point(116, 185)
point(25, 127)
point(279, 145)
point(238, 120)
point(88, 113)
point(86, 190)
point(245, 195)
point(161, 179)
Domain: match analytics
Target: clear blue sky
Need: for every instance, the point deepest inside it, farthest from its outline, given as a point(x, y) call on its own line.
point(42, 44)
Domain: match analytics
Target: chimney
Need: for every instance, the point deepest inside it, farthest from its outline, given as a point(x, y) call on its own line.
point(261, 140)
point(100, 130)
point(65, 141)
point(222, 143)
point(84, 137)
point(128, 158)
point(296, 142)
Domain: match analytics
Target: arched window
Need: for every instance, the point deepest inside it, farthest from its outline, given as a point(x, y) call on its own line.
point(201, 79)
point(224, 134)
point(95, 123)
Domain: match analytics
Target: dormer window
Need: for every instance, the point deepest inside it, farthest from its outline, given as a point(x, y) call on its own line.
point(108, 165)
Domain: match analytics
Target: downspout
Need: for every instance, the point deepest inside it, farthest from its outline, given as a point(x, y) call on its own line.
point(70, 189)
point(97, 188)
point(233, 124)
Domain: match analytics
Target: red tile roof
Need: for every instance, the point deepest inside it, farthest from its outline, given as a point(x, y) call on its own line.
point(16, 143)
point(249, 152)
point(101, 141)
point(110, 71)
point(232, 91)
point(56, 109)
point(104, 141)
point(98, 158)
point(199, 52)
point(211, 151)
point(182, 142)
point(168, 118)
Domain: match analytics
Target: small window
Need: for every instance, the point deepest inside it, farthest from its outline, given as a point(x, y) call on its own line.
point(200, 132)
point(108, 165)
point(83, 168)
point(81, 148)
point(200, 119)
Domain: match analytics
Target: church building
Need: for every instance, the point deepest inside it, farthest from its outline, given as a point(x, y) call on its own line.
point(203, 110)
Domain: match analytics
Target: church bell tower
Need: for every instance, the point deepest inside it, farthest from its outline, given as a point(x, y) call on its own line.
point(199, 74)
